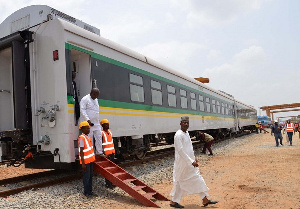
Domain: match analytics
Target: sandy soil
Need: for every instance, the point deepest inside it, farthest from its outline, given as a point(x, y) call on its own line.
point(256, 174)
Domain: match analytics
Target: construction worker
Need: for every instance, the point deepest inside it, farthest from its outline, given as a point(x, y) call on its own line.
point(108, 146)
point(296, 125)
point(289, 128)
point(276, 129)
point(256, 127)
point(86, 158)
point(260, 127)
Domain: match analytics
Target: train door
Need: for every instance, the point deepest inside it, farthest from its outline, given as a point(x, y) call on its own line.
point(6, 91)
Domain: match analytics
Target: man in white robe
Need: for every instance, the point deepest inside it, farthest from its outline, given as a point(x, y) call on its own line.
point(89, 109)
point(186, 176)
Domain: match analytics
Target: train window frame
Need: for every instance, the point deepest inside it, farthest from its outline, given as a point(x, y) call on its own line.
point(183, 99)
point(136, 88)
point(222, 108)
point(156, 93)
point(193, 101)
point(172, 100)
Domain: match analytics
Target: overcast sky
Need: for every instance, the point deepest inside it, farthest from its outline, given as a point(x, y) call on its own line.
point(248, 48)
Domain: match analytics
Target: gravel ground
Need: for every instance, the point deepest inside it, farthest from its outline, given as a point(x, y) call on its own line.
point(246, 172)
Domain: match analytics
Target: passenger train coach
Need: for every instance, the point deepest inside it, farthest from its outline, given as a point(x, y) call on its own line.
point(40, 47)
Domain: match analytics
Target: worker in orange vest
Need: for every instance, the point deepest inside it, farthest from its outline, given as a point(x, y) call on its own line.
point(86, 158)
point(289, 128)
point(108, 146)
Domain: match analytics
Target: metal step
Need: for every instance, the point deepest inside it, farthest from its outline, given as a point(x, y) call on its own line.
point(127, 182)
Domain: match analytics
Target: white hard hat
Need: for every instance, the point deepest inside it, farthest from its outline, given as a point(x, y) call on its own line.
point(276, 121)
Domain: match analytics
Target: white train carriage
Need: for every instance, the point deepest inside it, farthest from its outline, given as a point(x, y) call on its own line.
point(142, 99)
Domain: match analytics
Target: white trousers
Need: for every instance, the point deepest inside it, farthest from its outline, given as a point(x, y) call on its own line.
point(95, 131)
point(179, 194)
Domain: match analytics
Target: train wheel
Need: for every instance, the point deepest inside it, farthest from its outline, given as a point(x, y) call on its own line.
point(140, 155)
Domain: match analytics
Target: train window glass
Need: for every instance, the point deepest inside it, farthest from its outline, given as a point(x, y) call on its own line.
point(172, 100)
point(155, 85)
point(201, 105)
point(201, 98)
point(213, 105)
point(182, 92)
point(136, 79)
point(207, 103)
point(136, 93)
point(222, 108)
point(171, 89)
point(193, 104)
point(193, 95)
point(156, 97)
point(183, 101)
point(218, 107)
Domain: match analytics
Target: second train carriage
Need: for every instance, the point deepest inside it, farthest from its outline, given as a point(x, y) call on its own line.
point(142, 99)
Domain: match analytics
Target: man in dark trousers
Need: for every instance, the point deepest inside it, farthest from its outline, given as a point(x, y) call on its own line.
point(75, 97)
point(276, 129)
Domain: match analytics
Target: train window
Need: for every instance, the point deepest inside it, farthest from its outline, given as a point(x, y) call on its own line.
point(207, 102)
point(171, 96)
point(156, 92)
point(222, 108)
point(183, 99)
point(155, 85)
point(193, 101)
point(156, 97)
point(172, 100)
point(226, 109)
point(213, 105)
point(218, 107)
point(136, 91)
point(182, 93)
point(171, 89)
point(136, 79)
point(201, 103)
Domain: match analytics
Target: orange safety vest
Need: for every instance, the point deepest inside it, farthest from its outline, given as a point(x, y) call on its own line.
point(88, 150)
point(108, 143)
point(289, 127)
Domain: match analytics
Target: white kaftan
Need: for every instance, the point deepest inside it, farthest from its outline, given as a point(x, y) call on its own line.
point(186, 178)
point(89, 109)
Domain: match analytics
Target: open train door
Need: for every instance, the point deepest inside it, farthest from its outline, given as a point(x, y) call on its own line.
point(15, 99)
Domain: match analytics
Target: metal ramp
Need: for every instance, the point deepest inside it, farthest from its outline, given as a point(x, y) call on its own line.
point(127, 182)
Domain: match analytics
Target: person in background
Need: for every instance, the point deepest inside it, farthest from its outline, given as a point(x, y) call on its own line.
point(289, 129)
point(75, 97)
point(208, 141)
point(89, 109)
point(86, 158)
point(260, 127)
point(186, 176)
point(108, 146)
point(296, 125)
point(276, 129)
point(256, 127)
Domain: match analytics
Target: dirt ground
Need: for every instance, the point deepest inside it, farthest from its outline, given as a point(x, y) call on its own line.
point(256, 174)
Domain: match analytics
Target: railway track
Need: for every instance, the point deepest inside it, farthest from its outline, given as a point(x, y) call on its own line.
point(62, 176)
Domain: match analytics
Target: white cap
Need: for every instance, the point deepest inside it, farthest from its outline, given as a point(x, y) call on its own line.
point(276, 121)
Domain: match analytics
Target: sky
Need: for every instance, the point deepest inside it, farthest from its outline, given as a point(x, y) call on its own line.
point(249, 49)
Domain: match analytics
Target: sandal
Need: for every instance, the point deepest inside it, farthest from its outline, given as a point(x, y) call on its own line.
point(210, 202)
